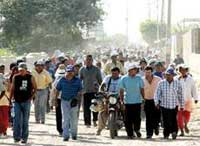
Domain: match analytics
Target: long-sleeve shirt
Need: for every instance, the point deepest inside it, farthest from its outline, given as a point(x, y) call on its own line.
point(169, 95)
point(189, 91)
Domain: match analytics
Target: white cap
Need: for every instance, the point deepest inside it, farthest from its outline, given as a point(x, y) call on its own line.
point(132, 66)
point(114, 53)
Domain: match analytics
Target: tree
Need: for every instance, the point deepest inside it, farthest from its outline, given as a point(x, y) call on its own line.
point(47, 23)
point(148, 29)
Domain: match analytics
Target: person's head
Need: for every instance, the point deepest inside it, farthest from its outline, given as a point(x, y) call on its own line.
point(60, 72)
point(39, 66)
point(177, 56)
point(47, 63)
point(89, 60)
point(98, 64)
point(169, 74)
point(70, 72)
point(132, 70)
point(22, 68)
point(114, 56)
point(183, 70)
point(12, 65)
point(77, 68)
point(115, 72)
point(143, 63)
point(148, 71)
point(158, 67)
point(2, 69)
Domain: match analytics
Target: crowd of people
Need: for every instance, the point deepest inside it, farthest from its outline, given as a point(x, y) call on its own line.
point(166, 93)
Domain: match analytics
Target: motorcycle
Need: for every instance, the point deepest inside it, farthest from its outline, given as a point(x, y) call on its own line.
point(116, 115)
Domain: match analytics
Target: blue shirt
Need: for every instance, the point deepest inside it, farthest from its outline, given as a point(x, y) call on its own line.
point(132, 87)
point(159, 74)
point(69, 88)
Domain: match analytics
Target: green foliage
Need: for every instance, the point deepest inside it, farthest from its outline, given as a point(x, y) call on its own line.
point(42, 24)
point(6, 52)
point(148, 29)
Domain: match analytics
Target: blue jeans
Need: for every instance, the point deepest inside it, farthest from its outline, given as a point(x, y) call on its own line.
point(21, 119)
point(40, 103)
point(70, 119)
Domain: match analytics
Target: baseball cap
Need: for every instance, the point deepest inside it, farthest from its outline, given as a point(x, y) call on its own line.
point(70, 68)
point(22, 66)
point(132, 66)
point(170, 71)
point(40, 62)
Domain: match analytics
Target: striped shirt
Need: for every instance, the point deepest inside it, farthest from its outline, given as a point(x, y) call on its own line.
point(169, 95)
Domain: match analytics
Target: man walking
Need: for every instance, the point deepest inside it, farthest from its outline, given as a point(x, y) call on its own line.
point(43, 81)
point(190, 92)
point(70, 88)
point(23, 89)
point(91, 77)
point(168, 96)
point(133, 87)
point(152, 114)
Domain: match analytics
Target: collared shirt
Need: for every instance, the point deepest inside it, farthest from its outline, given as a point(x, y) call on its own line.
point(114, 84)
point(150, 88)
point(42, 79)
point(159, 74)
point(132, 87)
point(110, 65)
point(69, 88)
point(189, 91)
point(169, 95)
point(91, 77)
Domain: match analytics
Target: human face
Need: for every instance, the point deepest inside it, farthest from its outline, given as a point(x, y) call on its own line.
point(114, 58)
point(143, 65)
point(70, 74)
point(22, 71)
point(88, 61)
point(158, 68)
point(39, 68)
point(183, 71)
point(148, 73)
point(132, 72)
point(169, 77)
point(115, 74)
point(2, 70)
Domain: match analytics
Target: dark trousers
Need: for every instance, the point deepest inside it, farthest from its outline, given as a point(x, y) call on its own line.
point(152, 117)
point(59, 116)
point(169, 121)
point(87, 98)
point(132, 118)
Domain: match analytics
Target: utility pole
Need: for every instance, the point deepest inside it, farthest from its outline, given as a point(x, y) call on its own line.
point(162, 11)
point(168, 51)
point(158, 25)
point(127, 21)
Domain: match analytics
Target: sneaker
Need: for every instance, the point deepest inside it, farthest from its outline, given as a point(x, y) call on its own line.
point(182, 133)
point(60, 134)
point(130, 137)
point(24, 141)
point(66, 139)
point(74, 138)
point(16, 140)
point(98, 132)
point(149, 137)
point(166, 137)
point(139, 135)
point(187, 129)
point(174, 135)
point(42, 122)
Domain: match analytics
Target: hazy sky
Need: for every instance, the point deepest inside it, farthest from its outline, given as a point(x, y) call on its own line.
point(115, 20)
